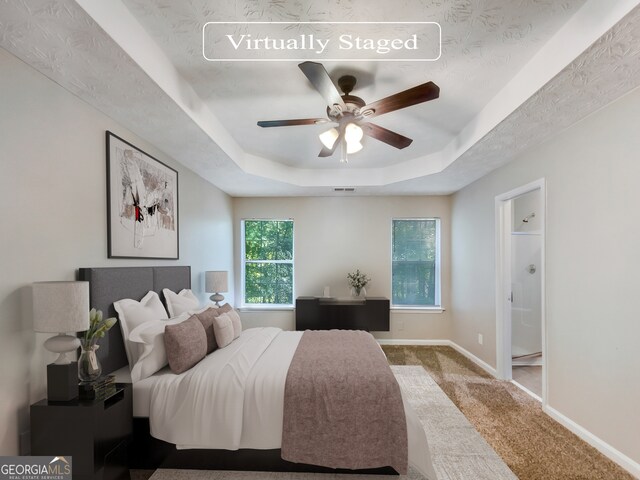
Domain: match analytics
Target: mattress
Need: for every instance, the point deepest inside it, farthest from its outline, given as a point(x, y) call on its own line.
point(141, 390)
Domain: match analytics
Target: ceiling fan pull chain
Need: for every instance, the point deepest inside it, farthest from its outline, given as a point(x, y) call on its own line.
point(343, 150)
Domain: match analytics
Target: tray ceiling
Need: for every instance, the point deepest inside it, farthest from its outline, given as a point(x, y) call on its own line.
point(506, 67)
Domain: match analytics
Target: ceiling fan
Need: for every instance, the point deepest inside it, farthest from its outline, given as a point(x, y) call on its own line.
point(351, 113)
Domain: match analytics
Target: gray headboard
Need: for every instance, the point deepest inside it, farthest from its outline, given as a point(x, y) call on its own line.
point(108, 285)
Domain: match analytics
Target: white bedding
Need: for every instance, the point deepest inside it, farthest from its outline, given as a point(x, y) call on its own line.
point(234, 399)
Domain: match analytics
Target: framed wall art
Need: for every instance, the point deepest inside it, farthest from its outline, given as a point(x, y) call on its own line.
point(142, 203)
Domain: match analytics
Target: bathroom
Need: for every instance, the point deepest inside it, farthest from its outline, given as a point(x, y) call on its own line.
point(526, 291)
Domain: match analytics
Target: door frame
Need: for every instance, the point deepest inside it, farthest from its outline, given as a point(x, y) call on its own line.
point(504, 221)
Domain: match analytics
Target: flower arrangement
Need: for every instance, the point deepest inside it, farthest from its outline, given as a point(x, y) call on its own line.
point(97, 327)
point(89, 368)
point(358, 280)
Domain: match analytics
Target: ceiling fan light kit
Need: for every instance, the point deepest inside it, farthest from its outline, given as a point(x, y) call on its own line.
point(351, 113)
point(329, 137)
point(353, 133)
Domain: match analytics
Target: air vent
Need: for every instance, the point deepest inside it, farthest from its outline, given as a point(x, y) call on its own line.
point(344, 189)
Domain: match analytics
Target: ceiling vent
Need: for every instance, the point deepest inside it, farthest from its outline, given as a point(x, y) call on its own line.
point(344, 189)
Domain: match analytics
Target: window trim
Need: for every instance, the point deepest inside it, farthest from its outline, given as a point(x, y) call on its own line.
point(243, 262)
point(437, 298)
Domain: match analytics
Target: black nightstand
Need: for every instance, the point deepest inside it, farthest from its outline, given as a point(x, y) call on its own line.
point(94, 432)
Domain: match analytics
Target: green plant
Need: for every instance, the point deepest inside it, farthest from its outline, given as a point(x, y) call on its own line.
point(97, 327)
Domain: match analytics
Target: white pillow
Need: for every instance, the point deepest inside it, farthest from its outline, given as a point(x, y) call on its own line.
point(223, 330)
point(150, 335)
point(132, 313)
point(235, 321)
point(178, 303)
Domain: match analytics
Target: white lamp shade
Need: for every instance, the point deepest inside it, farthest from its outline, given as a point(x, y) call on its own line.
point(60, 307)
point(353, 147)
point(329, 137)
point(216, 282)
point(353, 133)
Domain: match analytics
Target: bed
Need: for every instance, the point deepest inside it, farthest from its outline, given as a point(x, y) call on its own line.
point(205, 418)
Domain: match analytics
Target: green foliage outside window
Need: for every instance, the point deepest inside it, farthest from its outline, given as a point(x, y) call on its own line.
point(268, 262)
point(414, 262)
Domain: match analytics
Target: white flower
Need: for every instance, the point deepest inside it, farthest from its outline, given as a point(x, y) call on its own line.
point(358, 280)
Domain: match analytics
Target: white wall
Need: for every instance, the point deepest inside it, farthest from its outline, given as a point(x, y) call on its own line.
point(592, 257)
point(335, 235)
point(524, 206)
point(53, 192)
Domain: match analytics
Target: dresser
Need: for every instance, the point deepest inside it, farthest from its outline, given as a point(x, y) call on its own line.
point(320, 313)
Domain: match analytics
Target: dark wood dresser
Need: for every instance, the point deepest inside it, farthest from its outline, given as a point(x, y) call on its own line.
point(319, 313)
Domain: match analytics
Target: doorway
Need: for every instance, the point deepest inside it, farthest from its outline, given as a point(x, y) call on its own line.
point(520, 313)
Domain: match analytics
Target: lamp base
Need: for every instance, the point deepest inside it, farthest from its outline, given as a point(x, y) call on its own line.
point(217, 298)
point(62, 382)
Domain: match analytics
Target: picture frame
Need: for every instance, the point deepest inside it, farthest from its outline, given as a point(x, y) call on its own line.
point(142, 203)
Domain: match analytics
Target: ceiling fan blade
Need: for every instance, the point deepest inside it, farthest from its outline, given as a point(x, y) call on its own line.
point(387, 136)
point(327, 152)
point(289, 123)
point(413, 96)
point(318, 76)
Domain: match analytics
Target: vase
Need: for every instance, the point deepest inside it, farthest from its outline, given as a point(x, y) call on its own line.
point(89, 368)
point(358, 292)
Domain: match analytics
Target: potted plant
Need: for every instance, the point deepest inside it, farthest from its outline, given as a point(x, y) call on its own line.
point(358, 281)
point(89, 368)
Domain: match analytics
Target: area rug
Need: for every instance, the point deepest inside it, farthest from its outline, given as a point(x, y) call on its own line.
point(459, 452)
point(532, 444)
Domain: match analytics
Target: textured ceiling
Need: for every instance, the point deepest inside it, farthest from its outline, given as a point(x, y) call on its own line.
point(485, 42)
point(63, 41)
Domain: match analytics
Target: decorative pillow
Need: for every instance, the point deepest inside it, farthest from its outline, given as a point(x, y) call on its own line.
point(178, 303)
point(225, 308)
point(132, 313)
point(223, 330)
point(235, 319)
point(150, 335)
point(186, 344)
point(206, 318)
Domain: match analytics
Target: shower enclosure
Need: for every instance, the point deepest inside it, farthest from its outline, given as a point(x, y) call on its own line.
point(526, 313)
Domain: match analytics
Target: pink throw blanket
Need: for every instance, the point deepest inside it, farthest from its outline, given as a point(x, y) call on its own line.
point(342, 404)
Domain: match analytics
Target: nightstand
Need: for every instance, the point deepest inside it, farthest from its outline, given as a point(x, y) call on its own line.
point(95, 433)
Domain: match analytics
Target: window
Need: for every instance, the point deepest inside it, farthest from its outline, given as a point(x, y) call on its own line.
point(415, 271)
point(267, 262)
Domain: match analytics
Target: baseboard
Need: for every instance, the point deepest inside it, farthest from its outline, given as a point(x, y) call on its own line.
point(447, 343)
point(527, 391)
point(410, 341)
point(481, 363)
point(520, 363)
point(603, 447)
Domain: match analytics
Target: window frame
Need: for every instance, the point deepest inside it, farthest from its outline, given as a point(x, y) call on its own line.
point(243, 261)
point(437, 264)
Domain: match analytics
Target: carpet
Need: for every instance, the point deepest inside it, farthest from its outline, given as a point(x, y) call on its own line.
point(459, 452)
point(532, 444)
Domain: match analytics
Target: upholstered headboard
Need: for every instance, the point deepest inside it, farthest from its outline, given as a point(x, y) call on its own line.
point(108, 285)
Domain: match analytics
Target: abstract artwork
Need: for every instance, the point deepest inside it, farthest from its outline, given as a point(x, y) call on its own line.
point(142, 203)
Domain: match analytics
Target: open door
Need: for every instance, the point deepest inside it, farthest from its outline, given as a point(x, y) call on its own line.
point(520, 313)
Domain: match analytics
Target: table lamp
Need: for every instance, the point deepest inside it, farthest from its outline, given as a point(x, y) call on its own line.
point(216, 282)
point(61, 307)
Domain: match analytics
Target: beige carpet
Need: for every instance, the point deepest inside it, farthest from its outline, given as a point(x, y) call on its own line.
point(533, 445)
point(458, 451)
